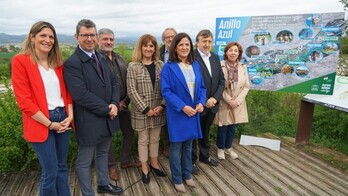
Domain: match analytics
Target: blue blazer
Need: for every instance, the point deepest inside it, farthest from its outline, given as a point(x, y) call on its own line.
point(176, 93)
point(92, 95)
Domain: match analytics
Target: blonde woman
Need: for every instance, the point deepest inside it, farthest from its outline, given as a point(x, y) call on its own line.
point(144, 91)
point(46, 105)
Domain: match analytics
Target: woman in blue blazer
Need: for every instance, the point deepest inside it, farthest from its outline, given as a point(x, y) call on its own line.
point(183, 89)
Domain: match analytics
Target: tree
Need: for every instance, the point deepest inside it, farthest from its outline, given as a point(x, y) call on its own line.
point(344, 2)
point(345, 5)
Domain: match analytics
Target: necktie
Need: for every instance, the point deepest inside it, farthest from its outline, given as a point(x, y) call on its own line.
point(99, 69)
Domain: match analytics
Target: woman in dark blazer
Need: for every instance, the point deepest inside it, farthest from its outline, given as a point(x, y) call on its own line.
point(183, 89)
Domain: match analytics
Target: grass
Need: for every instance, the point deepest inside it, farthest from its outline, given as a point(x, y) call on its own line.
point(7, 55)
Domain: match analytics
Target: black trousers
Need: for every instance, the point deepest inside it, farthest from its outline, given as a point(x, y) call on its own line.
point(206, 119)
point(127, 140)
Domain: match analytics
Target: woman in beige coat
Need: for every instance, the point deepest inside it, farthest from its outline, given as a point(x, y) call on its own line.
point(144, 91)
point(233, 108)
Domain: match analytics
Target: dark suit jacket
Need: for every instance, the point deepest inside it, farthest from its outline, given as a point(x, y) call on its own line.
point(162, 52)
point(215, 83)
point(92, 95)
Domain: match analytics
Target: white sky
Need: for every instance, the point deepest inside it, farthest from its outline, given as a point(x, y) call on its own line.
point(137, 17)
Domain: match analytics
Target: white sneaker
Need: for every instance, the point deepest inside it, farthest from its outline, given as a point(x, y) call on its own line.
point(231, 153)
point(221, 154)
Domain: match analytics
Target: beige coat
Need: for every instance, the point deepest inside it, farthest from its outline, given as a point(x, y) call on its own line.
point(143, 95)
point(226, 115)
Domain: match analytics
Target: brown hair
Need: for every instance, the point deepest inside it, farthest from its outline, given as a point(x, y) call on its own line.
point(173, 56)
point(54, 58)
point(229, 45)
point(205, 33)
point(143, 40)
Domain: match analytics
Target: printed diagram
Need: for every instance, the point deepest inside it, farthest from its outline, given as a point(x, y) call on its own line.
point(282, 51)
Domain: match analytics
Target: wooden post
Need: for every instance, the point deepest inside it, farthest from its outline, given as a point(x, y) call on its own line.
point(304, 124)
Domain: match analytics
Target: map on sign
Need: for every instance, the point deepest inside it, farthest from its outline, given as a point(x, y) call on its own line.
point(292, 53)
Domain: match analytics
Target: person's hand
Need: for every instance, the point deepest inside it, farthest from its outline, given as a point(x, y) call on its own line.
point(57, 127)
point(65, 125)
point(233, 104)
point(199, 108)
point(150, 113)
point(122, 105)
point(211, 102)
point(189, 111)
point(157, 110)
point(113, 111)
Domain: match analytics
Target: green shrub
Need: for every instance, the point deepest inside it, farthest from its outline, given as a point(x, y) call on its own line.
point(5, 70)
point(330, 128)
point(15, 153)
point(273, 112)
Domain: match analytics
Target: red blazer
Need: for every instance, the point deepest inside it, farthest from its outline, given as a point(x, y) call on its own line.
point(31, 96)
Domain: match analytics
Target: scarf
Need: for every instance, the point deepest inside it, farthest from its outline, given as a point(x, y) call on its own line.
point(232, 72)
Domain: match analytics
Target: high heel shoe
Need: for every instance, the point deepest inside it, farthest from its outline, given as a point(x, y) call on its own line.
point(145, 177)
point(190, 183)
point(158, 172)
point(180, 187)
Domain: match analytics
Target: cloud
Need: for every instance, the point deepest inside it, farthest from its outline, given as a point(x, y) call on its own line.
point(136, 17)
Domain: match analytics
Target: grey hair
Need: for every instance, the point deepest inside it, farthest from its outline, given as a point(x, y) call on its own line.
point(167, 29)
point(105, 31)
point(84, 23)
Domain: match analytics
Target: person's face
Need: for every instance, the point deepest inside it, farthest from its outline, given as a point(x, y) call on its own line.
point(204, 44)
point(87, 38)
point(106, 42)
point(43, 41)
point(183, 48)
point(148, 50)
point(232, 53)
point(168, 37)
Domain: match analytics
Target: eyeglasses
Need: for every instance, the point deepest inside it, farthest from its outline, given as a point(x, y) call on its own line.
point(85, 36)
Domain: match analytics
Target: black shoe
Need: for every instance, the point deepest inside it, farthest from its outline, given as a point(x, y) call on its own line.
point(158, 172)
point(145, 177)
point(110, 189)
point(195, 169)
point(210, 162)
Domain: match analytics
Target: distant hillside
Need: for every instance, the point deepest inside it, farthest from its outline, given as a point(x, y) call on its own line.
point(62, 38)
point(11, 39)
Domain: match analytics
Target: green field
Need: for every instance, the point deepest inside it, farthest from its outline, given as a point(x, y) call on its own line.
point(8, 55)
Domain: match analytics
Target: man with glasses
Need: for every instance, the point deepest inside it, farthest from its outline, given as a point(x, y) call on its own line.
point(96, 97)
point(167, 38)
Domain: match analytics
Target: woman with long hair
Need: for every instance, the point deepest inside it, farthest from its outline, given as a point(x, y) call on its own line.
point(46, 105)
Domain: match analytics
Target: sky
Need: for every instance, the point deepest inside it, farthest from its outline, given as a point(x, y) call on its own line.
point(137, 17)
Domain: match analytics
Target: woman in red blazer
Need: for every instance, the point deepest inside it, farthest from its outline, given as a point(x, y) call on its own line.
point(46, 105)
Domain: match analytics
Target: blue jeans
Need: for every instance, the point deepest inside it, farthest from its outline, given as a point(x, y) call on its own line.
point(225, 135)
point(52, 155)
point(180, 161)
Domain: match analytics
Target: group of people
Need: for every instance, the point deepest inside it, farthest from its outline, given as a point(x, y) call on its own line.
point(176, 89)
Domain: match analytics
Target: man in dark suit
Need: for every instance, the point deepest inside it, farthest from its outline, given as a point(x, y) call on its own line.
point(96, 99)
point(167, 38)
point(214, 82)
